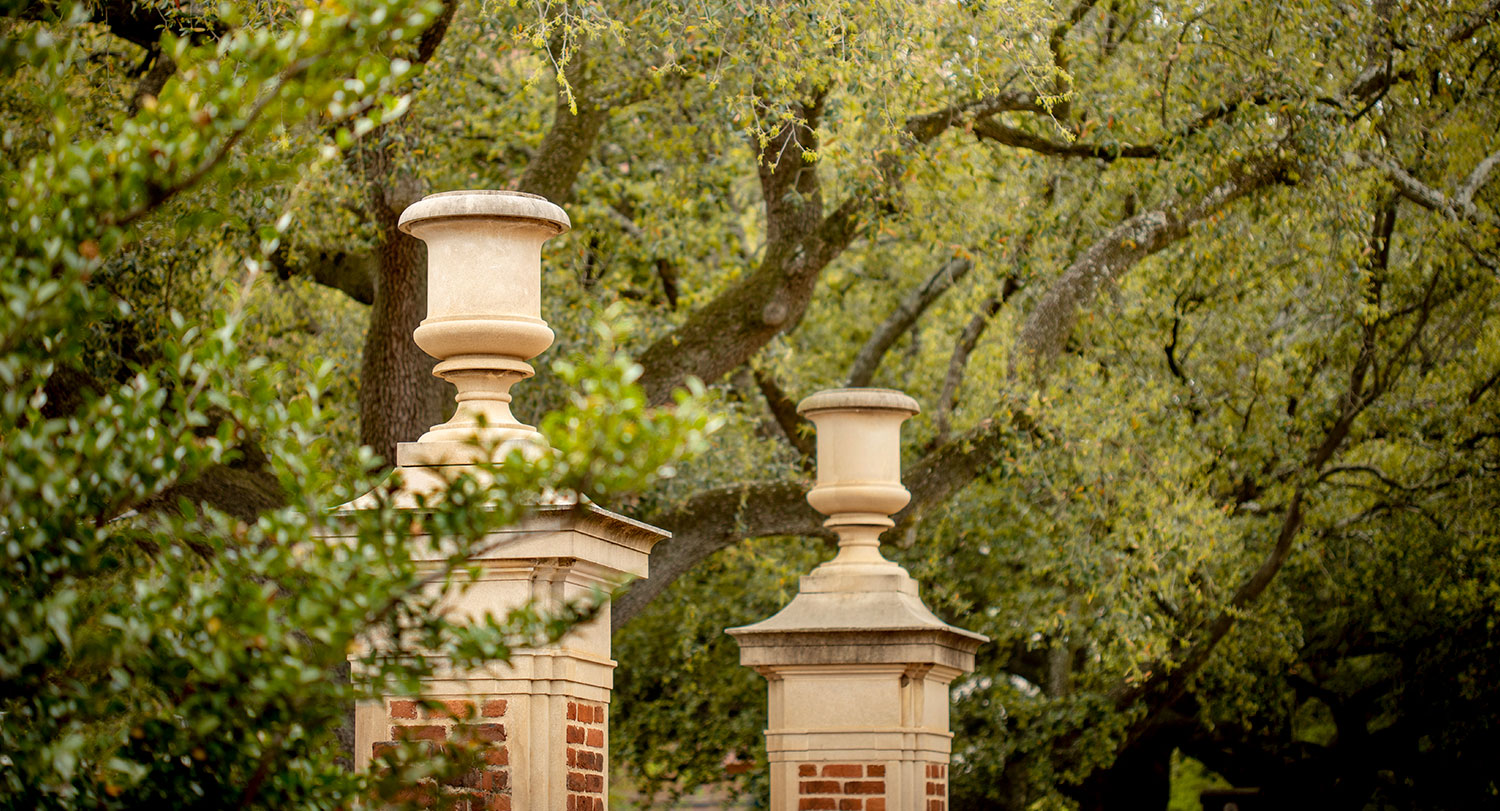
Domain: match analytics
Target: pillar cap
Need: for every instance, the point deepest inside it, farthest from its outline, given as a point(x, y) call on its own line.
point(843, 628)
point(484, 203)
point(835, 629)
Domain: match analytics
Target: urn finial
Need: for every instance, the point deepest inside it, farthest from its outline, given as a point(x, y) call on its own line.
point(484, 314)
point(859, 465)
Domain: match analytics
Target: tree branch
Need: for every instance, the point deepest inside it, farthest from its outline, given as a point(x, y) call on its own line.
point(911, 308)
point(352, 274)
point(801, 242)
point(990, 129)
point(959, 360)
point(925, 128)
point(1062, 110)
point(1482, 16)
point(1164, 690)
point(795, 427)
point(712, 520)
point(555, 167)
point(1138, 237)
point(1459, 207)
point(152, 80)
point(1476, 179)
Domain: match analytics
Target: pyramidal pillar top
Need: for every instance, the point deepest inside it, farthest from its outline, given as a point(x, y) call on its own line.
point(857, 667)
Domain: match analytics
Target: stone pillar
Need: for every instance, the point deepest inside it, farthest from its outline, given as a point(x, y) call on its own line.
point(544, 714)
point(857, 668)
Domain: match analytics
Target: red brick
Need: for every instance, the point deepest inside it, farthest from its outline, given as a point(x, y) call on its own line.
point(817, 804)
point(495, 781)
point(598, 715)
point(596, 737)
point(493, 708)
point(931, 770)
point(874, 771)
point(492, 733)
point(807, 770)
point(864, 787)
point(820, 787)
point(498, 802)
point(595, 782)
point(848, 804)
point(843, 770)
point(932, 789)
point(575, 734)
point(875, 804)
point(383, 748)
point(403, 709)
point(572, 802)
point(416, 795)
point(497, 756)
point(572, 757)
point(423, 733)
point(942, 770)
point(572, 711)
point(934, 805)
point(598, 804)
point(466, 780)
point(457, 710)
point(576, 781)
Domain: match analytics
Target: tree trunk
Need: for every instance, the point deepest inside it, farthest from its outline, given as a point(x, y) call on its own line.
point(563, 152)
point(399, 399)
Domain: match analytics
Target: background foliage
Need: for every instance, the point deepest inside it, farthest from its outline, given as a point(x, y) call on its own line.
point(1200, 300)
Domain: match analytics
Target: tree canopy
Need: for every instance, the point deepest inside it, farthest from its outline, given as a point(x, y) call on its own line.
point(1199, 300)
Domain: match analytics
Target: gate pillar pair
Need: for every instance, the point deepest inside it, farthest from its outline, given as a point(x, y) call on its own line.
point(858, 669)
point(543, 716)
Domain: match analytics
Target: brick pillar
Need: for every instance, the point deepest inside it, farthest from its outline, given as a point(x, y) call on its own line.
point(542, 717)
point(857, 668)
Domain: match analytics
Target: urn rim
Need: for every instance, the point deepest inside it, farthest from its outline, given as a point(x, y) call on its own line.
point(862, 399)
point(488, 203)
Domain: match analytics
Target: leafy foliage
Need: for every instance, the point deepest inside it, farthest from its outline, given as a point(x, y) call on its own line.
point(1209, 365)
point(159, 651)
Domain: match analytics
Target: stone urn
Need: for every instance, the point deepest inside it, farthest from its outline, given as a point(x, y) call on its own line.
point(484, 315)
